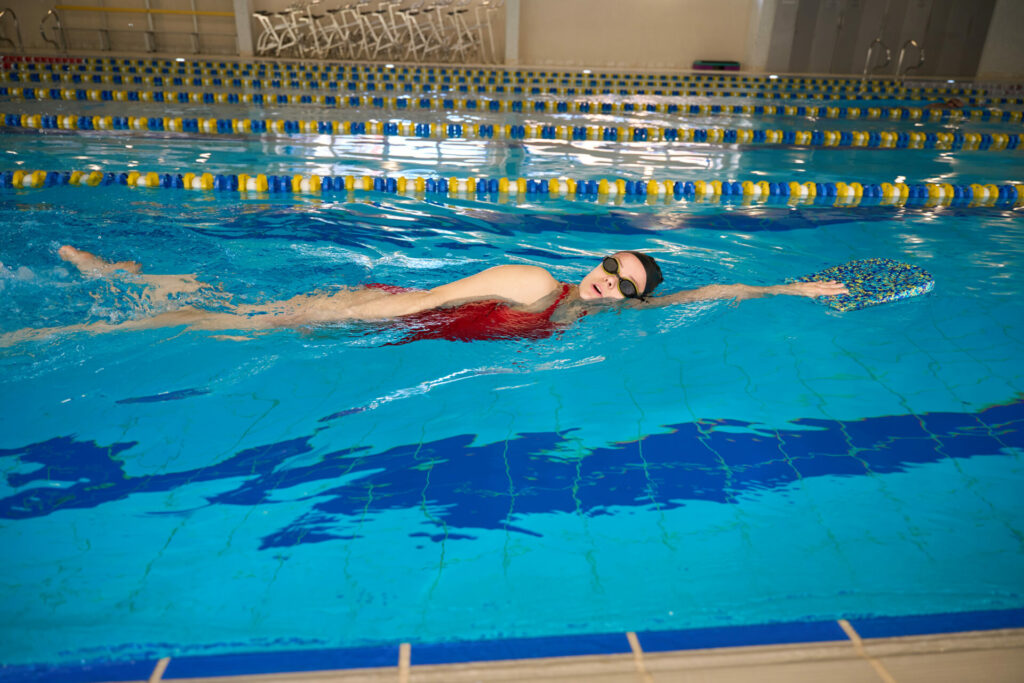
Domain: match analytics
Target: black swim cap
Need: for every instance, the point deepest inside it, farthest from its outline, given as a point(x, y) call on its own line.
point(652, 270)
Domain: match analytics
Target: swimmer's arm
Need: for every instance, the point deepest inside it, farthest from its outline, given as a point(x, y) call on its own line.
point(739, 292)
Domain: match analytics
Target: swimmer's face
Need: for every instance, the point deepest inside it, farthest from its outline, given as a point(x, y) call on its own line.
point(601, 284)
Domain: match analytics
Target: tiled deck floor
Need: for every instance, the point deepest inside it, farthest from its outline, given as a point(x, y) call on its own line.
point(988, 656)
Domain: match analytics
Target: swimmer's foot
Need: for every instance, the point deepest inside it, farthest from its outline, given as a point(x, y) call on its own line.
point(90, 264)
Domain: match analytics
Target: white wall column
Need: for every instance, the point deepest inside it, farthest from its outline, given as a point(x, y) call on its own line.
point(762, 19)
point(511, 32)
point(243, 27)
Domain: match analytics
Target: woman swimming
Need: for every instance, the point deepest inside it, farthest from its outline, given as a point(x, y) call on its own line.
point(500, 302)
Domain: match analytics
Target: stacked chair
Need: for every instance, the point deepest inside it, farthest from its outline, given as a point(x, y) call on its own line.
point(457, 31)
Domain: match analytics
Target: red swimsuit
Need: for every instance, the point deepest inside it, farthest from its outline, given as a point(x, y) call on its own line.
point(489, 319)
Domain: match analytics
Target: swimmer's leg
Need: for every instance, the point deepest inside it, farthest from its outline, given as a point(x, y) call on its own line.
point(91, 264)
point(190, 317)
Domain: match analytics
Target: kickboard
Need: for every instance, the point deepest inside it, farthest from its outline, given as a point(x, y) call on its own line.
point(873, 281)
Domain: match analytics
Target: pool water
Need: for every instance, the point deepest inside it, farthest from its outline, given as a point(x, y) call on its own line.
point(699, 465)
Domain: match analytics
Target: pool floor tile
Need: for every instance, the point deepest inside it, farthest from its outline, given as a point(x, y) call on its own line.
point(957, 667)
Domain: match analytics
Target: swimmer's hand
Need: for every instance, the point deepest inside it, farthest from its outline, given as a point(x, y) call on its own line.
point(815, 288)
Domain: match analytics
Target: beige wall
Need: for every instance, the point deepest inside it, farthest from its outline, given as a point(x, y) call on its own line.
point(639, 33)
point(1003, 55)
point(125, 30)
point(666, 34)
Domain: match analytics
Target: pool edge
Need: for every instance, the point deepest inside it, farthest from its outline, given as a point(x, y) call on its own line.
point(865, 639)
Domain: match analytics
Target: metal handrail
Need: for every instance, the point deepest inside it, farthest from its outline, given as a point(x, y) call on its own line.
point(60, 43)
point(107, 37)
point(17, 29)
point(903, 51)
point(871, 51)
point(144, 10)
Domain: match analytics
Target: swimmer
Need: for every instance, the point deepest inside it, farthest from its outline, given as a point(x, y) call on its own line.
point(952, 103)
point(519, 300)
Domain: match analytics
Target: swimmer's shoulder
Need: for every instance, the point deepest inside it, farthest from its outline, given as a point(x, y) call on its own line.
point(520, 284)
point(529, 283)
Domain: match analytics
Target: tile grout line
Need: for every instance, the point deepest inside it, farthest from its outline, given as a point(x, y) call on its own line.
point(159, 669)
point(638, 657)
point(858, 644)
point(404, 659)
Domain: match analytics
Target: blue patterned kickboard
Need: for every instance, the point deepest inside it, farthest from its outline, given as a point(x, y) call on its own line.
point(873, 281)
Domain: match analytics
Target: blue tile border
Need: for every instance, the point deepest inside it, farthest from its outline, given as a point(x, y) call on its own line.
point(519, 648)
point(737, 636)
point(93, 672)
point(929, 624)
point(285, 661)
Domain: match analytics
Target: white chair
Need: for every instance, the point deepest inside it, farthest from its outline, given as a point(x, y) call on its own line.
point(281, 33)
point(339, 32)
point(486, 12)
point(378, 23)
point(269, 40)
point(406, 31)
point(432, 25)
point(465, 40)
point(316, 43)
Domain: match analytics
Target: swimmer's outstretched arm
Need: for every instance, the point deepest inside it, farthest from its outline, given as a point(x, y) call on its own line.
point(740, 292)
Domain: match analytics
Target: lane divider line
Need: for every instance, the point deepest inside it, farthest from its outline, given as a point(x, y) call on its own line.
point(858, 644)
point(404, 662)
point(638, 657)
point(159, 669)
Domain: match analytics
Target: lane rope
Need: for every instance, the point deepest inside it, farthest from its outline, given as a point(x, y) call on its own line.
point(891, 139)
point(623, 82)
point(836, 193)
point(483, 105)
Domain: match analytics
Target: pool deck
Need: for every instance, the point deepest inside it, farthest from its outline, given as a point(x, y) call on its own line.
point(992, 656)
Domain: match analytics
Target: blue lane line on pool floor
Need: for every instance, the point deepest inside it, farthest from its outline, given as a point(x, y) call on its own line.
point(519, 648)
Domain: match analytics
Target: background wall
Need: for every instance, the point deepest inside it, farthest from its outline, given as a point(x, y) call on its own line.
point(1003, 55)
point(125, 31)
point(647, 33)
point(961, 37)
point(833, 36)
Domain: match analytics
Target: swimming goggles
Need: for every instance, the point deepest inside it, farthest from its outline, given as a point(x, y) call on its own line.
point(626, 286)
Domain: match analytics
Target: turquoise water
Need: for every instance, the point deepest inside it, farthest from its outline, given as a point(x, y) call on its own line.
point(706, 464)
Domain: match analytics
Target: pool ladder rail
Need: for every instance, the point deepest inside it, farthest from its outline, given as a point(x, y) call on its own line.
point(867, 59)
point(900, 72)
point(60, 42)
point(16, 44)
